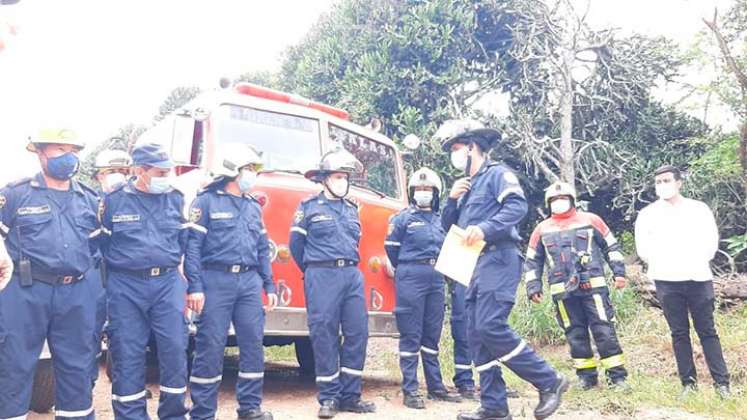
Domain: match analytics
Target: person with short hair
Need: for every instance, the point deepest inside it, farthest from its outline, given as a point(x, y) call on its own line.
point(677, 237)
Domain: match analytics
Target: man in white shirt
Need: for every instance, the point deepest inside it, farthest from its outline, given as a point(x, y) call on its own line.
point(677, 237)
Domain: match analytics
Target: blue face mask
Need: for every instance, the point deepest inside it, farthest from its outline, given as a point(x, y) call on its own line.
point(62, 167)
point(246, 181)
point(159, 184)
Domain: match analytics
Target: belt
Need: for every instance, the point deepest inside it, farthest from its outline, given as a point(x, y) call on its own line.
point(426, 261)
point(232, 268)
point(148, 272)
point(594, 282)
point(332, 264)
point(53, 279)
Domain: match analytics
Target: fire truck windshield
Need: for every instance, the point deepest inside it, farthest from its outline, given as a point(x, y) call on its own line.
point(287, 142)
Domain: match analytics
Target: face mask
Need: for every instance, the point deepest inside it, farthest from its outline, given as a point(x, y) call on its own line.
point(459, 158)
point(560, 206)
point(246, 180)
point(112, 180)
point(62, 167)
point(159, 184)
point(666, 191)
point(338, 187)
point(423, 198)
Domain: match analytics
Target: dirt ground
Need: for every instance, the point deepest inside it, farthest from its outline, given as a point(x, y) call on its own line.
point(290, 396)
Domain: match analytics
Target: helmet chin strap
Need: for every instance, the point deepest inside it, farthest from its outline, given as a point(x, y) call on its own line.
point(329, 189)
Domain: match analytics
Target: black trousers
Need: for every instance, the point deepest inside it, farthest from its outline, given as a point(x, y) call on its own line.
point(694, 298)
point(591, 311)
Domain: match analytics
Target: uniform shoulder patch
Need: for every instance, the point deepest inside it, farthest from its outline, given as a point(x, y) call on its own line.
point(195, 213)
point(298, 216)
point(3, 200)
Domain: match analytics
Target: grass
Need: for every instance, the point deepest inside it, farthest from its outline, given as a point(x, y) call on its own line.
point(646, 341)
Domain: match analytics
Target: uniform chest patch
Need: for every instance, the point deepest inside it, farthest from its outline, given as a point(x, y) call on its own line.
point(221, 215)
point(321, 218)
point(415, 224)
point(25, 211)
point(119, 218)
point(2, 201)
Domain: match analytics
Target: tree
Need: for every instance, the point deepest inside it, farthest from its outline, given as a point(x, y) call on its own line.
point(732, 30)
point(177, 98)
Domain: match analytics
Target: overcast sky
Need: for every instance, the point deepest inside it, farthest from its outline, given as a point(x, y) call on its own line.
point(96, 65)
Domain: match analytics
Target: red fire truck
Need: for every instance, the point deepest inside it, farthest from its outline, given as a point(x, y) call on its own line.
point(292, 134)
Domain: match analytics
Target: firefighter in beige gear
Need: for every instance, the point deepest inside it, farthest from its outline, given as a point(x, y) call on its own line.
point(574, 245)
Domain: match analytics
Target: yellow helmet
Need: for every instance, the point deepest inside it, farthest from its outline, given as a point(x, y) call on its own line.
point(54, 136)
point(559, 189)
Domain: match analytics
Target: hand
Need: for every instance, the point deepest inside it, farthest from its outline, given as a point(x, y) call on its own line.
point(536, 298)
point(474, 235)
point(620, 282)
point(460, 187)
point(272, 302)
point(6, 270)
point(196, 301)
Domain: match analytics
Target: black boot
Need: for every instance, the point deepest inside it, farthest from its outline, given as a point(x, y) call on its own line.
point(357, 406)
point(255, 414)
point(328, 409)
point(413, 400)
point(485, 414)
point(587, 382)
point(468, 393)
point(444, 395)
point(549, 400)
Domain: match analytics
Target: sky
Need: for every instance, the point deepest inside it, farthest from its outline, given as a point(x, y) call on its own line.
point(95, 65)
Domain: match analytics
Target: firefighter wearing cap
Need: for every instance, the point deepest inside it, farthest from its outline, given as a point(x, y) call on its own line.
point(48, 223)
point(575, 245)
point(111, 168)
point(227, 265)
point(488, 205)
point(145, 235)
point(324, 243)
point(413, 242)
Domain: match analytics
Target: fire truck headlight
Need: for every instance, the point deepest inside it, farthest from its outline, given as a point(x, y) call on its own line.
point(375, 264)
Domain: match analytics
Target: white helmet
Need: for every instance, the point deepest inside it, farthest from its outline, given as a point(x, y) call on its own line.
point(112, 158)
point(424, 177)
point(234, 156)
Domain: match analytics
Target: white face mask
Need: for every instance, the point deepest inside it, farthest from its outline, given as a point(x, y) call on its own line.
point(666, 191)
point(338, 187)
point(423, 198)
point(459, 158)
point(112, 180)
point(560, 206)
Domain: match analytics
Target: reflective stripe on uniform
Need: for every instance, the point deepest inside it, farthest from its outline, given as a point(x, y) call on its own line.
point(563, 314)
point(616, 256)
point(128, 398)
point(92, 235)
point(531, 253)
point(557, 288)
point(610, 239)
point(4, 230)
point(530, 275)
point(170, 390)
point(329, 378)
point(613, 361)
point(392, 243)
point(463, 367)
point(510, 190)
point(486, 366)
point(79, 413)
point(197, 227)
point(23, 417)
point(515, 352)
point(600, 307)
point(598, 282)
point(106, 231)
point(589, 363)
point(427, 350)
point(205, 381)
point(251, 375)
point(300, 230)
point(354, 372)
point(408, 354)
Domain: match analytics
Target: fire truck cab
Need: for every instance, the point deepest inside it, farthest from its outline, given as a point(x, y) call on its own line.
point(292, 134)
